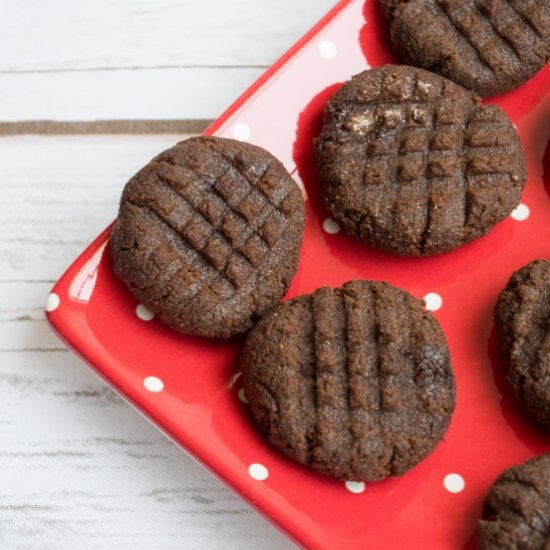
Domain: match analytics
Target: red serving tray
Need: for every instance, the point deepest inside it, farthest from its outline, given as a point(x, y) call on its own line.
point(189, 387)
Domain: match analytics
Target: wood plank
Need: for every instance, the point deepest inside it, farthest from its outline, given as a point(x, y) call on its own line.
point(81, 469)
point(188, 93)
point(68, 36)
point(62, 192)
point(22, 318)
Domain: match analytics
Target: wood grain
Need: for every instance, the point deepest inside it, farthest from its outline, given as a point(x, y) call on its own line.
point(62, 192)
point(80, 469)
point(186, 93)
point(115, 34)
point(145, 59)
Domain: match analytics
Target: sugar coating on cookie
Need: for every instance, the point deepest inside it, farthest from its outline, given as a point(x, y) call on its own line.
point(355, 382)
point(488, 46)
point(522, 316)
point(414, 164)
point(516, 511)
point(208, 235)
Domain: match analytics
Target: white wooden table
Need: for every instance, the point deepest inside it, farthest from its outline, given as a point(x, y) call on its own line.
point(89, 92)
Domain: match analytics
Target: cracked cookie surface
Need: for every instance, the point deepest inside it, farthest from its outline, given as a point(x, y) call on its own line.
point(208, 235)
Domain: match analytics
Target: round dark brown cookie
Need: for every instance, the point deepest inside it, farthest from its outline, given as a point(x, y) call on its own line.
point(354, 382)
point(516, 512)
point(414, 164)
point(522, 317)
point(208, 235)
point(489, 46)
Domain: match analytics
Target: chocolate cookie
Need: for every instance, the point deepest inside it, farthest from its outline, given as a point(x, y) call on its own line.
point(414, 164)
point(354, 382)
point(489, 46)
point(516, 512)
point(208, 235)
point(522, 317)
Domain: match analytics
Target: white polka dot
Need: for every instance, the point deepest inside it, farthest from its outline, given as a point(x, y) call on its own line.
point(331, 227)
point(242, 131)
point(454, 483)
point(521, 213)
point(328, 49)
point(154, 384)
point(301, 185)
point(356, 487)
point(52, 302)
point(433, 301)
point(242, 396)
point(258, 472)
point(143, 313)
point(234, 378)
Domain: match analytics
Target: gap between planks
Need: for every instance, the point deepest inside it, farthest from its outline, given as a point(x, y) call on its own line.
point(114, 127)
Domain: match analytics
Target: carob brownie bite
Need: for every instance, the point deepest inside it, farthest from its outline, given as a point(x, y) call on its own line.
point(516, 512)
point(488, 46)
point(355, 382)
point(522, 316)
point(208, 235)
point(414, 164)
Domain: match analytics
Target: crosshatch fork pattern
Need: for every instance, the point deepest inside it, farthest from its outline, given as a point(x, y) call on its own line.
point(509, 26)
point(422, 141)
point(405, 149)
point(231, 221)
point(490, 46)
point(208, 235)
